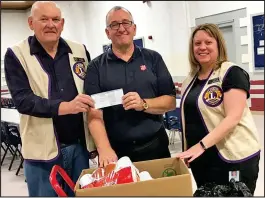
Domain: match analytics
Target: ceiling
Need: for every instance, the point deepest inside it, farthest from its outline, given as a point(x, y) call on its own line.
point(16, 5)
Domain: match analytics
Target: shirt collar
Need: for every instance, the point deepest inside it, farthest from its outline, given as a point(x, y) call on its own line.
point(35, 46)
point(112, 56)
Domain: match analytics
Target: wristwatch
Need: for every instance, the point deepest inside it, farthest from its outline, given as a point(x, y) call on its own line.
point(145, 105)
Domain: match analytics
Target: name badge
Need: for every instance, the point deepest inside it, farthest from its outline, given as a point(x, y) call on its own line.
point(77, 59)
point(213, 80)
point(234, 175)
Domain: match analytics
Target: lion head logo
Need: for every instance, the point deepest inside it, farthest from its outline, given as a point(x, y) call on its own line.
point(213, 96)
point(80, 70)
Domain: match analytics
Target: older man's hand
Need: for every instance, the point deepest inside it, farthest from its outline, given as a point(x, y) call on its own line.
point(81, 103)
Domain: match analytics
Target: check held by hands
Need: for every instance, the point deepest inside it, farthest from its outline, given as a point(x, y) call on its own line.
point(80, 104)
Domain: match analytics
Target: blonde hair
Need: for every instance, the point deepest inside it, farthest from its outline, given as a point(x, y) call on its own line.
point(214, 32)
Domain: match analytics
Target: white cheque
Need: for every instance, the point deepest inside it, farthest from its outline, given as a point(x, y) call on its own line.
point(108, 98)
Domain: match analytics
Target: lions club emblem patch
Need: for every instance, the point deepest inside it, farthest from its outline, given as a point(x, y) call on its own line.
point(213, 96)
point(80, 70)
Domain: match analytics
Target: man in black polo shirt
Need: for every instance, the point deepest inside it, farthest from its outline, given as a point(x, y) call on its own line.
point(135, 128)
point(58, 115)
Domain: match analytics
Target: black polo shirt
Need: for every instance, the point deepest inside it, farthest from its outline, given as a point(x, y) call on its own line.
point(144, 73)
point(69, 128)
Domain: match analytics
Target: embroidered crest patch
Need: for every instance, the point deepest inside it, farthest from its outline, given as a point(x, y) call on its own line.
point(213, 96)
point(80, 70)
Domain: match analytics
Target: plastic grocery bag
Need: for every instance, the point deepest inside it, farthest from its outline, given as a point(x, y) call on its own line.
point(233, 189)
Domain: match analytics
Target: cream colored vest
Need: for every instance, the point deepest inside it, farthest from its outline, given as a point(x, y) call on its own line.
point(39, 138)
point(239, 144)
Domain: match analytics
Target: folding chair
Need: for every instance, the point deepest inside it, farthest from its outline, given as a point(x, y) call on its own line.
point(172, 123)
point(15, 140)
point(5, 143)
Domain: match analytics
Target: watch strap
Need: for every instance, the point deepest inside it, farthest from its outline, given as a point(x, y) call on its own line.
point(202, 145)
point(143, 104)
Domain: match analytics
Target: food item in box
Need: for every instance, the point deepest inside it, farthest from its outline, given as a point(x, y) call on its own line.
point(111, 179)
point(109, 168)
point(125, 175)
point(122, 163)
point(127, 172)
point(115, 173)
point(98, 182)
point(98, 173)
point(144, 176)
point(103, 175)
point(86, 181)
point(88, 186)
point(98, 176)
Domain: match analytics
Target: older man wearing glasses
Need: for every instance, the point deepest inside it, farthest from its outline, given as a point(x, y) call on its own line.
point(135, 128)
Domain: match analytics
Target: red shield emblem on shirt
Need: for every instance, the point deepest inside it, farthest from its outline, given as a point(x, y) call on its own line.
point(143, 67)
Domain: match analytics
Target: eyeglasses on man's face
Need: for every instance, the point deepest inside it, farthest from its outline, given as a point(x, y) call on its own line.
point(116, 25)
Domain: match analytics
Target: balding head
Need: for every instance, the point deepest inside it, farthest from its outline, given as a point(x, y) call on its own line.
point(121, 36)
point(38, 5)
point(116, 8)
point(46, 21)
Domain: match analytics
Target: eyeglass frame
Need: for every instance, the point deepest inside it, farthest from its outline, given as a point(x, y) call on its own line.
point(119, 23)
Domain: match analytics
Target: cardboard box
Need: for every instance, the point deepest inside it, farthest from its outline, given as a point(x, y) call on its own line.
point(171, 178)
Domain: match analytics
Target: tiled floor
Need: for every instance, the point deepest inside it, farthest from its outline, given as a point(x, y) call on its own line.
point(12, 185)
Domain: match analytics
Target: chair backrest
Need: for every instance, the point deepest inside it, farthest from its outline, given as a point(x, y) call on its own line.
point(4, 129)
point(170, 122)
point(14, 134)
point(10, 133)
point(14, 130)
point(3, 136)
point(166, 121)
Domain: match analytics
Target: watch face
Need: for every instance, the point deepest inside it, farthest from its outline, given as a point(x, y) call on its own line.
point(145, 106)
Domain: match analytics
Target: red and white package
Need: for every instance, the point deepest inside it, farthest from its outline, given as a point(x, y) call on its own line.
point(98, 175)
point(120, 172)
point(105, 176)
point(127, 172)
point(111, 179)
point(109, 168)
point(110, 175)
point(86, 181)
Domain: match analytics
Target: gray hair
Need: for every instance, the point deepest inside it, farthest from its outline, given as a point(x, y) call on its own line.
point(116, 8)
